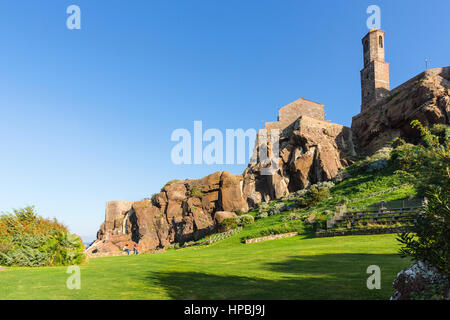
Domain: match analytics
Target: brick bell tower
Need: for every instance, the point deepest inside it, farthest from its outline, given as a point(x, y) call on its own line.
point(375, 75)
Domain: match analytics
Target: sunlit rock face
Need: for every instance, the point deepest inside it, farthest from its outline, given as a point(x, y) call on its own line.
point(310, 151)
point(183, 211)
point(425, 97)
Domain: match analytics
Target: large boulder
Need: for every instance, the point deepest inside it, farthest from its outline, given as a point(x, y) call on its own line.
point(103, 248)
point(231, 193)
point(310, 151)
point(183, 211)
point(112, 246)
point(418, 281)
point(220, 216)
point(115, 214)
point(151, 229)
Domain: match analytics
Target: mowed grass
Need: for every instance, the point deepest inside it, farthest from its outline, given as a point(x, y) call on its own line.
point(293, 268)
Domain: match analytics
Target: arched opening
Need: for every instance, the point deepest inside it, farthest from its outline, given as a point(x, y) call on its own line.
point(380, 41)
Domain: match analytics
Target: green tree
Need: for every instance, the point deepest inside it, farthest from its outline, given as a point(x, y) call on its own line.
point(427, 164)
point(29, 240)
point(429, 239)
point(428, 167)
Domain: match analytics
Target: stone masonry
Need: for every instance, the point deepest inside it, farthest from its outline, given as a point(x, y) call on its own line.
point(375, 75)
point(288, 114)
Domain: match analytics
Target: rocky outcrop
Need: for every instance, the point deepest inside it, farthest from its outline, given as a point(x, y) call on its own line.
point(310, 151)
point(421, 281)
point(425, 97)
point(114, 218)
point(181, 212)
point(220, 216)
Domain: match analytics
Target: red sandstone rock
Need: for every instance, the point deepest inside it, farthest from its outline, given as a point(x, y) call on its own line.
point(222, 215)
point(103, 248)
point(231, 193)
point(311, 150)
point(425, 98)
point(182, 211)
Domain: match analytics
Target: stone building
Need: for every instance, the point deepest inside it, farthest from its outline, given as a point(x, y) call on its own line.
point(375, 74)
point(288, 114)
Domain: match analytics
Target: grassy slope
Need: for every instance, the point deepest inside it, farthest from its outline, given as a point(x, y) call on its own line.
point(362, 190)
point(296, 268)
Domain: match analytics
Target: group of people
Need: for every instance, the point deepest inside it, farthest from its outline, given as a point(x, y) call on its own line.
point(127, 249)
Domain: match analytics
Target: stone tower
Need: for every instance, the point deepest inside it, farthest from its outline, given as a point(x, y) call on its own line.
point(375, 75)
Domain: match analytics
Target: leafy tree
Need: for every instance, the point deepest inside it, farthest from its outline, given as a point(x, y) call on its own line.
point(29, 240)
point(313, 196)
point(228, 224)
point(428, 167)
point(429, 239)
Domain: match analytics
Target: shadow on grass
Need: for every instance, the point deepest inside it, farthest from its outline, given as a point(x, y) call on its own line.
point(332, 276)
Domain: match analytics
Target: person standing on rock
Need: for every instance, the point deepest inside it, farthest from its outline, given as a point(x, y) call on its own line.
point(126, 249)
point(135, 249)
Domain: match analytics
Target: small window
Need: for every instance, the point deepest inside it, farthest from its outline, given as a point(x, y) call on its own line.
point(366, 46)
point(380, 41)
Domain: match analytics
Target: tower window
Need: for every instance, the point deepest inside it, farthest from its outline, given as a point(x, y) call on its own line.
point(380, 41)
point(366, 46)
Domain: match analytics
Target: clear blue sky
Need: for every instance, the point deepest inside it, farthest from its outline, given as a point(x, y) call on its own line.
point(86, 115)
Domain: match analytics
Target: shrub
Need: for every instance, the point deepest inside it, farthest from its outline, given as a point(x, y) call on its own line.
point(196, 191)
point(375, 162)
point(262, 215)
point(430, 237)
point(326, 184)
point(154, 201)
point(5, 246)
point(377, 165)
point(170, 183)
point(290, 217)
point(442, 132)
point(428, 167)
point(277, 209)
point(313, 196)
point(263, 206)
point(25, 256)
point(29, 240)
point(245, 220)
point(228, 224)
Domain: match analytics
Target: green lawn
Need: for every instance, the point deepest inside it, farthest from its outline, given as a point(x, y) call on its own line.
point(302, 267)
point(294, 268)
